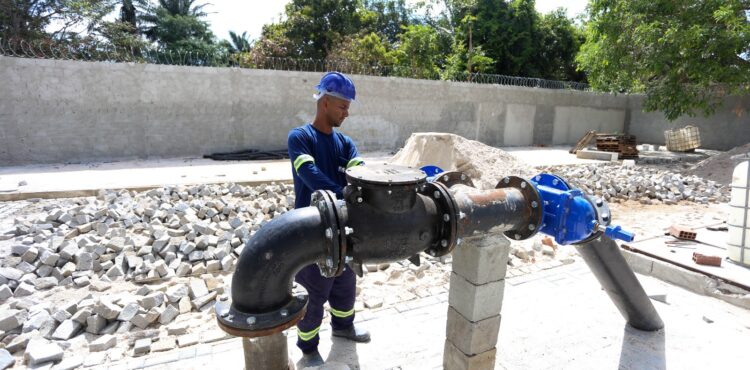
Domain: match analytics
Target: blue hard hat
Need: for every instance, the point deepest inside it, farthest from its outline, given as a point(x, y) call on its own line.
point(336, 84)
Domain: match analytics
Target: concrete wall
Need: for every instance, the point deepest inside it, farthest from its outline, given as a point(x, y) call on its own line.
point(66, 111)
point(727, 128)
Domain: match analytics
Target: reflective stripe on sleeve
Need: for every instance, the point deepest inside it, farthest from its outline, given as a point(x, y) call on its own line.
point(301, 160)
point(356, 161)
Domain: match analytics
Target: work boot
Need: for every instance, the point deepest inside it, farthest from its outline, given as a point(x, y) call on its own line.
point(353, 334)
point(311, 359)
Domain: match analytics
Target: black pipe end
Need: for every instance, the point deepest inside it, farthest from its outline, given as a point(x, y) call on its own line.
point(252, 325)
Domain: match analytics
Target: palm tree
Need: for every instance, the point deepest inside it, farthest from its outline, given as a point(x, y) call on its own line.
point(175, 22)
point(239, 43)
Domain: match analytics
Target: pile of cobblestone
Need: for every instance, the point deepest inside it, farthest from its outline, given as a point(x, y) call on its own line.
point(171, 234)
point(648, 185)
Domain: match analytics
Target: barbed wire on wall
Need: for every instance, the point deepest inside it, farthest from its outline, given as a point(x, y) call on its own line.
point(100, 52)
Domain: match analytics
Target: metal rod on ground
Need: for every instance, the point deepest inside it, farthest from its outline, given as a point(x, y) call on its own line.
point(267, 353)
point(605, 260)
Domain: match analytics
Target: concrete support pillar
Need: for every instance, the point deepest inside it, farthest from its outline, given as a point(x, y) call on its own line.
point(267, 353)
point(475, 299)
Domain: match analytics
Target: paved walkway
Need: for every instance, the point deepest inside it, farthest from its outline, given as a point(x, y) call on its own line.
point(552, 319)
point(72, 180)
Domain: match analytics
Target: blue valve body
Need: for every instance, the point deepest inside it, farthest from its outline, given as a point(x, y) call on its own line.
point(432, 172)
point(568, 216)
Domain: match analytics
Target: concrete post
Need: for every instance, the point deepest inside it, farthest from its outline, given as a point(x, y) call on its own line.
point(475, 299)
point(267, 353)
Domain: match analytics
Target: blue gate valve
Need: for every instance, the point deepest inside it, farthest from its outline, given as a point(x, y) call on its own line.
point(431, 172)
point(570, 216)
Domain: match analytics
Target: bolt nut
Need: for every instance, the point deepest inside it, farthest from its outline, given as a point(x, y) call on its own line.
point(534, 204)
point(250, 320)
point(517, 236)
point(506, 180)
point(284, 312)
point(446, 217)
point(463, 177)
point(329, 233)
point(445, 178)
point(269, 255)
point(532, 227)
point(359, 199)
point(444, 243)
point(348, 230)
point(555, 181)
point(523, 185)
point(436, 194)
point(329, 262)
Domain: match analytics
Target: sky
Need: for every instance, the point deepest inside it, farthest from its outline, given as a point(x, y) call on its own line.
point(250, 16)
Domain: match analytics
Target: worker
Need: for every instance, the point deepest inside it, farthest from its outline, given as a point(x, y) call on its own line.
point(320, 155)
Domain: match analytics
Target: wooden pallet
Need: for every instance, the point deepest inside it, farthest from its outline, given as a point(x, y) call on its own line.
point(583, 142)
point(625, 145)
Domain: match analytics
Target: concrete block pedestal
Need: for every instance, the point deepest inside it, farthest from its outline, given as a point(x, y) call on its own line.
point(475, 298)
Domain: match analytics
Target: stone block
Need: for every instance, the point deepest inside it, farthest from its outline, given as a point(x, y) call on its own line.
point(142, 347)
point(596, 154)
point(95, 324)
point(454, 359)
point(45, 283)
point(475, 302)
point(482, 259)
point(185, 305)
point(177, 329)
point(6, 359)
point(5, 293)
point(24, 290)
point(61, 315)
point(40, 351)
point(20, 342)
point(202, 301)
point(111, 328)
point(81, 315)
point(164, 344)
point(170, 312)
point(128, 312)
point(213, 266)
point(183, 269)
point(152, 300)
point(37, 320)
point(107, 310)
point(11, 319)
point(471, 337)
point(198, 288)
point(103, 343)
point(175, 293)
point(67, 329)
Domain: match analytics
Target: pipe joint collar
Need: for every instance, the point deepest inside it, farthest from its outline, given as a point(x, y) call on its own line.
point(333, 214)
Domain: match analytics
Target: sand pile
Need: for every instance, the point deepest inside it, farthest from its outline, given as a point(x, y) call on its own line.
point(484, 164)
point(719, 168)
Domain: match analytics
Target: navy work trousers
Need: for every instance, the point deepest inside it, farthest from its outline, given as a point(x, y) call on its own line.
point(340, 293)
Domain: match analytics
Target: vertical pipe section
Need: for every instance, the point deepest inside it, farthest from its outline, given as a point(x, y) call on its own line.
point(605, 260)
point(266, 353)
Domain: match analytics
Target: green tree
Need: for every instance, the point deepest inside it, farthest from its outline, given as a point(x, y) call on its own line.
point(313, 27)
point(386, 18)
point(685, 55)
point(559, 43)
point(239, 43)
point(30, 19)
point(417, 53)
point(125, 31)
point(177, 25)
point(369, 50)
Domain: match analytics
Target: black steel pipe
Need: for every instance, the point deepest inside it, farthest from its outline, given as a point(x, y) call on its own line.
point(271, 258)
point(379, 236)
point(605, 260)
point(496, 210)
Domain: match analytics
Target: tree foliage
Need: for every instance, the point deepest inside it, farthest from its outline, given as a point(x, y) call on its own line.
point(685, 55)
point(177, 25)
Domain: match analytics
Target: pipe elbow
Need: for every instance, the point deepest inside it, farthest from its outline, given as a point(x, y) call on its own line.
point(262, 300)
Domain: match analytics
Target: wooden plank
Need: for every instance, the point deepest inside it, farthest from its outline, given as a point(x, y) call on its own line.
point(583, 142)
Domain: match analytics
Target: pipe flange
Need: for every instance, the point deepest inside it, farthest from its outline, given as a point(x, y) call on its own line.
point(532, 197)
point(450, 178)
point(252, 325)
point(449, 214)
point(604, 217)
point(325, 202)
